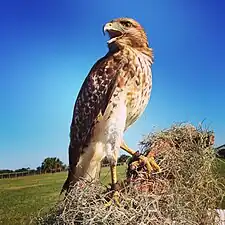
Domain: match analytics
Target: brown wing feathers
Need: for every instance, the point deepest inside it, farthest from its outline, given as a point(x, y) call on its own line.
point(92, 99)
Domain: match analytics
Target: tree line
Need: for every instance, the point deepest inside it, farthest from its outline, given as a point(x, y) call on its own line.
point(54, 164)
point(49, 165)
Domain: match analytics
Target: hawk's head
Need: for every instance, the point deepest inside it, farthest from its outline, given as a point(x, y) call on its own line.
point(126, 31)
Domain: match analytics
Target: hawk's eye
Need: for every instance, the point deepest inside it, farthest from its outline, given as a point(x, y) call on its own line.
point(126, 23)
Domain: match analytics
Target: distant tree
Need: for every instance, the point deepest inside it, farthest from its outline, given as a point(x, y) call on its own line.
point(32, 171)
point(123, 158)
point(220, 151)
point(38, 169)
point(65, 167)
point(23, 170)
point(52, 164)
point(105, 161)
point(6, 171)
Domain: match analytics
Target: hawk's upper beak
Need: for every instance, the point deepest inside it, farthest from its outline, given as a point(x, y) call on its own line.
point(114, 30)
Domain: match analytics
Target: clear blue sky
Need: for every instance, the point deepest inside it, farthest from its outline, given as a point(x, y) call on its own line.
point(47, 47)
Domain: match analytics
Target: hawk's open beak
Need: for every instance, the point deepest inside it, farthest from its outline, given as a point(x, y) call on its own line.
point(107, 27)
point(113, 29)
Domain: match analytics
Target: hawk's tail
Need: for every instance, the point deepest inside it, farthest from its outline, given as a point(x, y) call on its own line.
point(67, 184)
point(73, 160)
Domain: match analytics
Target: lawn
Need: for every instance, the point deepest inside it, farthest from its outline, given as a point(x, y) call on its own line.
point(23, 198)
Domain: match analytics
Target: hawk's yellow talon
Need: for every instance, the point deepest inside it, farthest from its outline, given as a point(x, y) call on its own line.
point(148, 161)
point(154, 164)
point(114, 198)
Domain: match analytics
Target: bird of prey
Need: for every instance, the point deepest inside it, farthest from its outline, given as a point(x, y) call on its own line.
point(113, 96)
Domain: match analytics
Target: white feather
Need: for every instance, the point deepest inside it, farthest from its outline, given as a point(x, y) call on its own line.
point(106, 139)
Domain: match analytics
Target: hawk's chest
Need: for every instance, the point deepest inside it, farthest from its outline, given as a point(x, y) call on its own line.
point(138, 87)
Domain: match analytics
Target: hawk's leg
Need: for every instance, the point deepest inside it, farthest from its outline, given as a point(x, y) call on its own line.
point(115, 194)
point(149, 161)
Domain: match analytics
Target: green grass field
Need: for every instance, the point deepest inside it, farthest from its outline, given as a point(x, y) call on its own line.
point(23, 198)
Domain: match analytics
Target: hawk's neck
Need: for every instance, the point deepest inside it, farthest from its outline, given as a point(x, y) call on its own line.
point(115, 48)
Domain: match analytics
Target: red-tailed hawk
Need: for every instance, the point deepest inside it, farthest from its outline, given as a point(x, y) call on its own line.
point(112, 97)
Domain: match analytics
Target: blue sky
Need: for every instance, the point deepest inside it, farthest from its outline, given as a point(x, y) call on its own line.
point(48, 46)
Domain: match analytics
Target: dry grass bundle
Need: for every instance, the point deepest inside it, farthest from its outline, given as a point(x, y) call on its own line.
point(185, 192)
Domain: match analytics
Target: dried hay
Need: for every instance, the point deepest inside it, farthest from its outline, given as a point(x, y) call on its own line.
point(185, 192)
